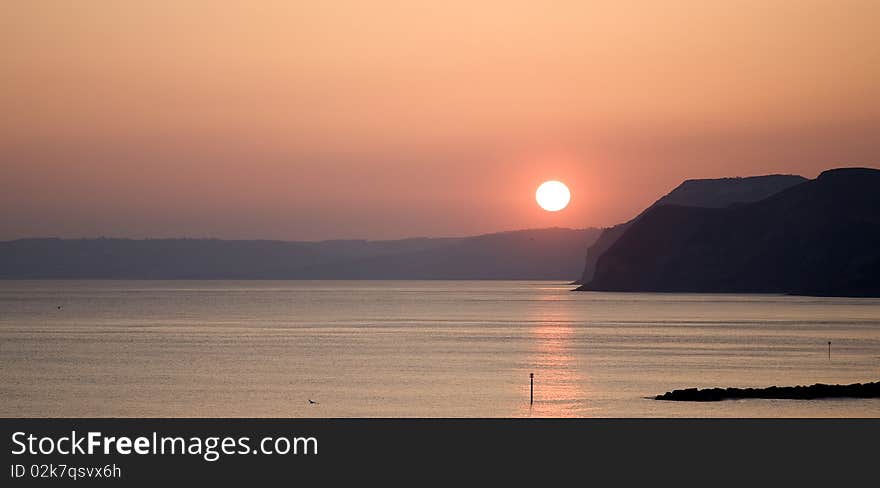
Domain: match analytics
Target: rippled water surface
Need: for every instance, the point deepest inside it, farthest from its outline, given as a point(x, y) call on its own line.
point(417, 348)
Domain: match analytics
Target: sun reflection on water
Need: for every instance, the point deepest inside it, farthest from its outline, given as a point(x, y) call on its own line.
point(561, 389)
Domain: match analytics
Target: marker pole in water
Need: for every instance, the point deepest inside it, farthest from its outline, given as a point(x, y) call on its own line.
point(531, 388)
point(829, 350)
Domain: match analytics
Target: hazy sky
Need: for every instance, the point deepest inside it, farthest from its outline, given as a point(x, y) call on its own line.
point(375, 119)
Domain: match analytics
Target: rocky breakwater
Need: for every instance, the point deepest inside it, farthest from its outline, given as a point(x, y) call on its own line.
point(812, 392)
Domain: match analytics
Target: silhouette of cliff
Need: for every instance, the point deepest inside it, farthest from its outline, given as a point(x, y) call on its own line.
point(821, 237)
point(712, 193)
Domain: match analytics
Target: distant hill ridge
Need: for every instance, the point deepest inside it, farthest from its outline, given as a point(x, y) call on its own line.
point(820, 237)
point(710, 193)
point(538, 254)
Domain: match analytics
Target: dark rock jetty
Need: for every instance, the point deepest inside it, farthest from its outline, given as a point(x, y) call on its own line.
point(819, 390)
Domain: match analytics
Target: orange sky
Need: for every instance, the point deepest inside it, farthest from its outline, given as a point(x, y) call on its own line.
point(375, 119)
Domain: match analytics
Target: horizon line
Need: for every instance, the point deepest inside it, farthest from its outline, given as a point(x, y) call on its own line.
point(257, 239)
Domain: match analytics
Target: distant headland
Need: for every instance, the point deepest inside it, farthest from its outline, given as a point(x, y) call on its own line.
point(536, 254)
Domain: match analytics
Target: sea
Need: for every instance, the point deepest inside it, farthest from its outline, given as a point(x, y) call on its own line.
point(418, 349)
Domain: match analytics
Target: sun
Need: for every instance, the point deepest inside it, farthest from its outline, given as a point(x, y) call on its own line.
point(553, 196)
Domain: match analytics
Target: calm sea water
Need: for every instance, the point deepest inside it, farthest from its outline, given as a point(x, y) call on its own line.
point(408, 348)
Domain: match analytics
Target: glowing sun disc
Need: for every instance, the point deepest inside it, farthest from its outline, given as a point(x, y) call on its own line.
point(553, 196)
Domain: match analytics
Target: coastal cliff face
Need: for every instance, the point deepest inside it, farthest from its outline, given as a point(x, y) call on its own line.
point(821, 237)
point(708, 193)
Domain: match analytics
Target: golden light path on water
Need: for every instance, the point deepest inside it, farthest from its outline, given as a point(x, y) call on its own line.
point(561, 387)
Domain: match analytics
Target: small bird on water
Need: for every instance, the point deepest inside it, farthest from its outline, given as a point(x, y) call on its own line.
point(312, 402)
